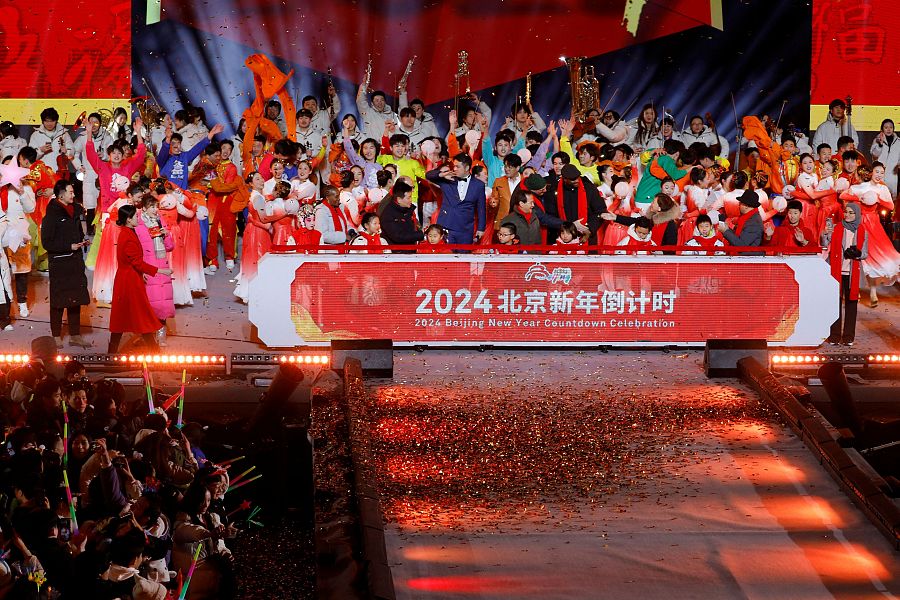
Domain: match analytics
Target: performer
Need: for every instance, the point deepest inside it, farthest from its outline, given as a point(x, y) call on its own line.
point(370, 235)
point(305, 234)
point(619, 205)
point(650, 184)
point(330, 221)
point(705, 236)
point(808, 191)
point(696, 201)
point(642, 129)
point(63, 237)
point(834, 126)
point(257, 236)
point(882, 265)
point(112, 173)
point(793, 232)
point(175, 213)
point(48, 138)
point(638, 237)
point(90, 193)
point(225, 189)
point(886, 150)
point(375, 115)
point(847, 243)
point(106, 258)
point(131, 310)
point(15, 204)
point(156, 244)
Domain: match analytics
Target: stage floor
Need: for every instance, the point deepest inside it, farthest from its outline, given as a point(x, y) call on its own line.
point(219, 323)
point(719, 501)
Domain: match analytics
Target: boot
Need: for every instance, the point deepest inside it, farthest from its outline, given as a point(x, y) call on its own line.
point(161, 337)
point(59, 342)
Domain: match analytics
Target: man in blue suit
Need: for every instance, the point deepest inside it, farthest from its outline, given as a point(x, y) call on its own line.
point(464, 199)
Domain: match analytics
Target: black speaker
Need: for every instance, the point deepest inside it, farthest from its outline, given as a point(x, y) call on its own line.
point(376, 356)
point(721, 356)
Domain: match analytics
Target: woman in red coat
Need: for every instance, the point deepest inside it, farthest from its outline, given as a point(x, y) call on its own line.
point(131, 311)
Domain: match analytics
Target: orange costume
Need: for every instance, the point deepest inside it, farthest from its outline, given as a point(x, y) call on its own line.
point(268, 81)
point(224, 189)
point(41, 179)
point(770, 153)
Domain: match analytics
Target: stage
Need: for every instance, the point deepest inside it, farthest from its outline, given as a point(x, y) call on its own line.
point(719, 500)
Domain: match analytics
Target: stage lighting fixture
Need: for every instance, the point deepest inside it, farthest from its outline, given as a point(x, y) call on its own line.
point(14, 359)
point(316, 358)
point(801, 360)
point(156, 360)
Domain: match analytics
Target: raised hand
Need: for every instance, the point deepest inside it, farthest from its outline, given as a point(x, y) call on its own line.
point(453, 119)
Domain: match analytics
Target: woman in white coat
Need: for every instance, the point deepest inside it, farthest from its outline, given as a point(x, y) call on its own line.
point(15, 206)
point(886, 150)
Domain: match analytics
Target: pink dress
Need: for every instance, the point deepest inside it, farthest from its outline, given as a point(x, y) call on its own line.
point(256, 242)
point(882, 266)
point(159, 286)
point(111, 178)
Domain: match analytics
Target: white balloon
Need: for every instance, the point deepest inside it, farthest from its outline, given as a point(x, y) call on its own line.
point(524, 154)
point(622, 189)
point(428, 147)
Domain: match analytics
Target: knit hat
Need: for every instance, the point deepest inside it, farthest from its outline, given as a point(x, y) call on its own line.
point(535, 183)
point(570, 171)
point(749, 198)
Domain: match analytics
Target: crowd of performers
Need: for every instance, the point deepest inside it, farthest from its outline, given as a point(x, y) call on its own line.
point(316, 177)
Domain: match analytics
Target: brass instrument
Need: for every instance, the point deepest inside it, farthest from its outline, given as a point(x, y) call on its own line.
point(405, 77)
point(585, 88)
point(367, 80)
point(106, 117)
point(528, 89)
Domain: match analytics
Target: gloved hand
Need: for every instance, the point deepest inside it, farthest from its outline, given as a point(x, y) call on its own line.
point(852, 253)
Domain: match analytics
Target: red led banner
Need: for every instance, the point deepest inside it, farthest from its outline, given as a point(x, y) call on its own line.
point(541, 300)
point(73, 55)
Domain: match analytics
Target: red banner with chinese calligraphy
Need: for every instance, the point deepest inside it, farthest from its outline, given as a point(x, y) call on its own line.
point(72, 56)
point(521, 301)
point(855, 47)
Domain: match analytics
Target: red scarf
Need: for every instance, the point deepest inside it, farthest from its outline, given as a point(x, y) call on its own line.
point(582, 201)
point(372, 239)
point(709, 242)
point(633, 242)
point(836, 256)
point(526, 216)
point(742, 220)
point(658, 233)
point(425, 247)
point(340, 223)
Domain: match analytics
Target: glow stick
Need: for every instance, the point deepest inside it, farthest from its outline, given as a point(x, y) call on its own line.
point(71, 503)
point(251, 480)
point(239, 477)
point(226, 463)
point(181, 400)
point(149, 389)
point(65, 461)
point(190, 574)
